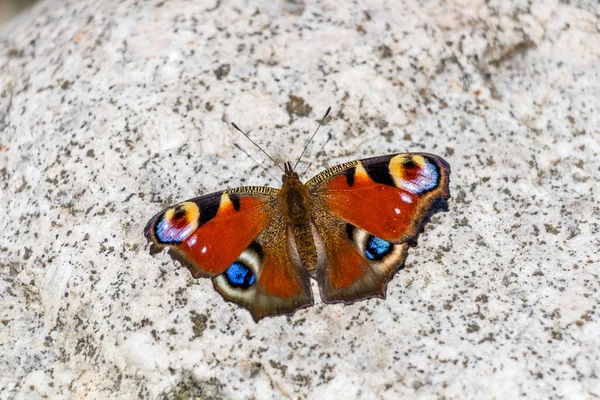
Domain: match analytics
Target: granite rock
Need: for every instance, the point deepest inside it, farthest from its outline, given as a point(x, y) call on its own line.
point(111, 110)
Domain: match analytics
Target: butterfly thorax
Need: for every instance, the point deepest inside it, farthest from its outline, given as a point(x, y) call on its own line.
point(294, 198)
point(295, 203)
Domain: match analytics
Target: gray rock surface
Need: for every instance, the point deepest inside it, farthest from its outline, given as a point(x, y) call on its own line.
point(110, 110)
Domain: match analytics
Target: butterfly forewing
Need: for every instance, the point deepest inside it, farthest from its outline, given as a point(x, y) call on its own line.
point(208, 233)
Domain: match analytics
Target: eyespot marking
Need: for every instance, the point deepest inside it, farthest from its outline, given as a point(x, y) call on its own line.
point(414, 173)
point(240, 276)
point(177, 223)
point(377, 249)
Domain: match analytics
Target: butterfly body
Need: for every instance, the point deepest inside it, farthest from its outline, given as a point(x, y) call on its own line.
point(349, 228)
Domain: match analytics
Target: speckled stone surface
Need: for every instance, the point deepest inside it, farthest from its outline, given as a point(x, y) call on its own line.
point(110, 110)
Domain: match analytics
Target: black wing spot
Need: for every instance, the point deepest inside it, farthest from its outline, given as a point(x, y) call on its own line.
point(349, 173)
point(410, 163)
point(179, 212)
point(208, 205)
point(350, 231)
point(380, 173)
point(235, 200)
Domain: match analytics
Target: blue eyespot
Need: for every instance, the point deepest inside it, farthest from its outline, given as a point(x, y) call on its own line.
point(377, 249)
point(426, 179)
point(168, 232)
point(238, 275)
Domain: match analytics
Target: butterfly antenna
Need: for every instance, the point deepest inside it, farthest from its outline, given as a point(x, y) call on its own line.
point(256, 162)
point(318, 154)
point(254, 143)
point(311, 138)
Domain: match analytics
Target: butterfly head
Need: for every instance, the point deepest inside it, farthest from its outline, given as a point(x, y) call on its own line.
point(288, 172)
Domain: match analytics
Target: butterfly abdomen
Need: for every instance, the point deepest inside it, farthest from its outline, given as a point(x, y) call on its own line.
point(303, 241)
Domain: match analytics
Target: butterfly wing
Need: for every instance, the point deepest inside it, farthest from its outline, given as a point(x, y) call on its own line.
point(368, 212)
point(234, 237)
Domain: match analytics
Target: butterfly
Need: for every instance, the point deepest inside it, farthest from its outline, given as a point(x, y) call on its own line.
point(349, 227)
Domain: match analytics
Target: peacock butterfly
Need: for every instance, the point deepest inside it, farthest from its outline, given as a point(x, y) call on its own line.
point(348, 227)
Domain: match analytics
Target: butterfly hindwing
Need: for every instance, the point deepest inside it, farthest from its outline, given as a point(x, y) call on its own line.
point(368, 212)
point(235, 237)
point(263, 279)
point(358, 265)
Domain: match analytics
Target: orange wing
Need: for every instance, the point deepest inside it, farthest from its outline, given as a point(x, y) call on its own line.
point(368, 212)
point(236, 237)
point(386, 196)
point(208, 233)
